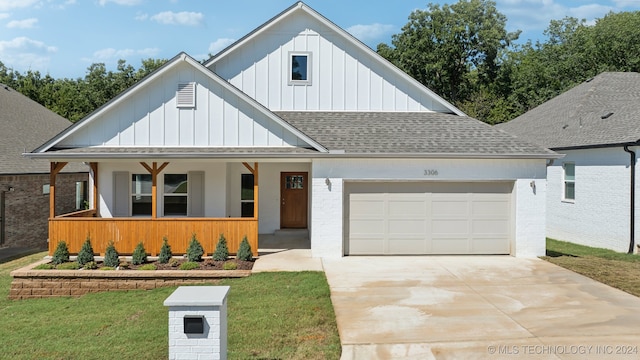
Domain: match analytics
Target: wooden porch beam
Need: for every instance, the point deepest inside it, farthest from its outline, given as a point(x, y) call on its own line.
point(94, 172)
point(55, 169)
point(154, 170)
point(252, 170)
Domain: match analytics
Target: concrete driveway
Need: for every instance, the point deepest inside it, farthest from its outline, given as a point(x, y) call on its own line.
point(493, 307)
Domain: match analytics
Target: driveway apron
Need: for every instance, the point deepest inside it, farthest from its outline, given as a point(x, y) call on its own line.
point(493, 307)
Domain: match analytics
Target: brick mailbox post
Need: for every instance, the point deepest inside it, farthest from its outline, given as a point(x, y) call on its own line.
point(198, 323)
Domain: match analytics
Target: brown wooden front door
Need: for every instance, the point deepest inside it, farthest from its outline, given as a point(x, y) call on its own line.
point(293, 200)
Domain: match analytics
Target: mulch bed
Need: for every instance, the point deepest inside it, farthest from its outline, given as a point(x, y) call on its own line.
point(205, 264)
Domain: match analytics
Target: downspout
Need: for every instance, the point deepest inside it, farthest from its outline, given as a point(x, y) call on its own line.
point(633, 197)
point(2, 217)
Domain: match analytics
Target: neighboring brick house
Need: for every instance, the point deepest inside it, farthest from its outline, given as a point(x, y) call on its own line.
point(591, 191)
point(24, 199)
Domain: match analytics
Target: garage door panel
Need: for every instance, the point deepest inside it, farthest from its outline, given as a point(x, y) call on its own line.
point(450, 226)
point(428, 218)
point(495, 227)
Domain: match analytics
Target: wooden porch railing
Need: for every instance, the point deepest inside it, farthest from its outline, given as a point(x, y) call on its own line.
point(126, 233)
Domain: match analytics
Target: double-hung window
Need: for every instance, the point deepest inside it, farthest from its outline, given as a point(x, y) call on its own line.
point(141, 194)
point(176, 189)
point(246, 196)
point(569, 178)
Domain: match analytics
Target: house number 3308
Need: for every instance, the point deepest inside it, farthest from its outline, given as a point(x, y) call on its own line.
point(431, 172)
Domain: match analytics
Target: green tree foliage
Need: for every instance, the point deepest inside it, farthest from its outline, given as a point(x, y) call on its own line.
point(86, 253)
point(452, 49)
point(222, 251)
point(74, 99)
point(165, 251)
point(244, 251)
point(139, 255)
point(111, 256)
point(194, 250)
point(61, 254)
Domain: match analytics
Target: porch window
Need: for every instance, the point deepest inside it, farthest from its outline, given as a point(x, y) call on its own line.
point(246, 196)
point(82, 195)
point(175, 194)
point(569, 192)
point(141, 194)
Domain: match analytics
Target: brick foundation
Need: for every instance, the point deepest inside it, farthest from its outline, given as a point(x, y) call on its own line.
point(33, 284)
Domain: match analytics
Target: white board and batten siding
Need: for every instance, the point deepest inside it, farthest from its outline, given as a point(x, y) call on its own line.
point(343, 76)
point(152, 117)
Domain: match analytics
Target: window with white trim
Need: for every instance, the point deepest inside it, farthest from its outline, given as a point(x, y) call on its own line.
point(141, 194)
point(569, 179)
point(176, 193)
point(82, 195)
point(299, 68)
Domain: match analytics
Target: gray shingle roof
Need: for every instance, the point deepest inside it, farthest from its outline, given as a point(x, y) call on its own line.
point(24, 125)
point(424, 133)
point(575, 118)
point(175, 152)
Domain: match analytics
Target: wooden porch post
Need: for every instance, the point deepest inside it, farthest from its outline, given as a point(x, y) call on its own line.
point(254, 171)
point(154, 170)
point(94, 171)
point(55, 169)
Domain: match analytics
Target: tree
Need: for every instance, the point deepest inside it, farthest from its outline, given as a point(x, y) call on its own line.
point(442, 46)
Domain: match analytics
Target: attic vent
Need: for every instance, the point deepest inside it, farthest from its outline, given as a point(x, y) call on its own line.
point(186, 95)
point(606, 116)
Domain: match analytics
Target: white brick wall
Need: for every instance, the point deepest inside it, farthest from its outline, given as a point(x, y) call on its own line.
point(600, 214)
point(327, 208)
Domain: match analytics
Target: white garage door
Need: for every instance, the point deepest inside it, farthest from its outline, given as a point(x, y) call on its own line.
point(412, 218)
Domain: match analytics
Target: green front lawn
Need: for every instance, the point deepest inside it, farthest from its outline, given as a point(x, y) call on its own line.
point(271, 315)
point(619, 270)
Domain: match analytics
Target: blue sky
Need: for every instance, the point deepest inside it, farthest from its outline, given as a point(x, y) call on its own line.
point(64, 37)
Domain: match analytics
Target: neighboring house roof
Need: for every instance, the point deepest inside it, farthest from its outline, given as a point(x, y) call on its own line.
point(24, 125)
point(346, 36)
point(603, 111)
point(410, 133)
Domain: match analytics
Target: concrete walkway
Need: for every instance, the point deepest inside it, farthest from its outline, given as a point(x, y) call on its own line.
point(476, 307)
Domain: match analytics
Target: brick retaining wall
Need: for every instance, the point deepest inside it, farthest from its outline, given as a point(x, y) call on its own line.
point(32, 284)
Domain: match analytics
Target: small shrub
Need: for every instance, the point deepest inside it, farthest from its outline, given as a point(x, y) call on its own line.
point(189, 265)
point(148, 267)
point(91, 265)
point(124, 265)
point(86, 253)
point(165, 252)
point(222, 251)
point(111, 257)
point(68, 266)
point(174, 263)
point(139, 255)
point(195, 250)
point(44, 267)
point(61, 255)
point(230, 265)
point(244, 251)
point(107, 268)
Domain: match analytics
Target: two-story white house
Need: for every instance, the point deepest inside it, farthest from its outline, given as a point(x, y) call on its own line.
point(300, 125)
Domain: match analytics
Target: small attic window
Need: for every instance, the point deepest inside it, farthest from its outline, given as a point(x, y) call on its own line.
point(299, 68)
point(186, 95)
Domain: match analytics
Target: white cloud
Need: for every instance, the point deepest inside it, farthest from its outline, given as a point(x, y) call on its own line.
point(370, 32)
point(24, 54)
point(22, 24)
point(142, 17)
point(115, 54)
point(120, 2)
point(181, 18)
point(6, 5)
point(220, 44)
point(4, 16)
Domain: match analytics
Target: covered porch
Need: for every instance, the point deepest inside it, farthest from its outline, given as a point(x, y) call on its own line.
point(103, 222)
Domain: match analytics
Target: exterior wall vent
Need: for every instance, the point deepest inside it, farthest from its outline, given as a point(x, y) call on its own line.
point(186, 95)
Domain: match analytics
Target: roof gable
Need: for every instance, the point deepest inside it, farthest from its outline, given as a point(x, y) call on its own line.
point(149, 115)
point(598, 112)
point(346, 75)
